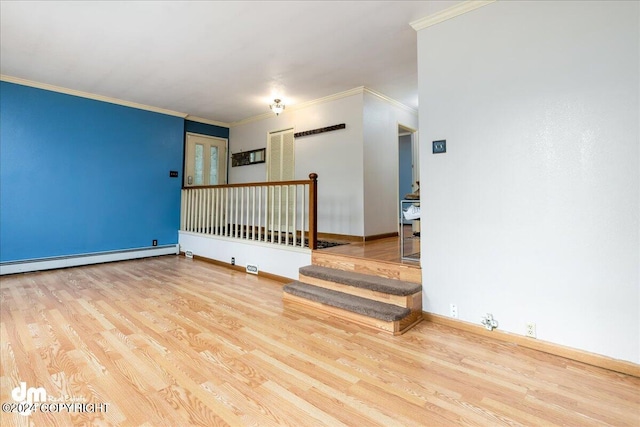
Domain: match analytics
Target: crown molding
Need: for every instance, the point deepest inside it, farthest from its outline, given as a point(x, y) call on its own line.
point(207, 121)
point(391, 101)
point(52, 88)
point(451, 12)
point(355, 91)
point(257, 118)
point(302, 105)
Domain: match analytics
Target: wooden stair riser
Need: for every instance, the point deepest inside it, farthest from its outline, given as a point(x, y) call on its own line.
point(386, 269)
point(397, 327)
point(410, 321)
point(413, 302)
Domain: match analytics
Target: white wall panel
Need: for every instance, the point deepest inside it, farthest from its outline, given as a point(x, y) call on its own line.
point(269, 258)
point(533, 212)
point(335, 156)
point(381, 153)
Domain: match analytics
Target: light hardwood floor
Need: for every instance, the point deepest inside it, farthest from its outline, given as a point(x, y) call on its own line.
point(173, 341)
point(387, 249)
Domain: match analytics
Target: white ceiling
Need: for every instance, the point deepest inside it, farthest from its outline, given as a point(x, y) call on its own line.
point(222, 61)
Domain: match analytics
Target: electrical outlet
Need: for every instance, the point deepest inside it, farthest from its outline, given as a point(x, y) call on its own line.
point(531, 330)
point(489, 322)
point(453, 310)
point(233, 260)
point(154, 242)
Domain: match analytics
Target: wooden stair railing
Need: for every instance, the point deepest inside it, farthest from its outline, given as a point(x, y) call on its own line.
point(313, 211)
point(278, 212)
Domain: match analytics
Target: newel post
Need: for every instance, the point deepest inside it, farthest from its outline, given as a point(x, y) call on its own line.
point(313, 211)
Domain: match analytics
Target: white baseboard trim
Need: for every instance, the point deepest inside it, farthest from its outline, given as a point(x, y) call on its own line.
point(13, 267)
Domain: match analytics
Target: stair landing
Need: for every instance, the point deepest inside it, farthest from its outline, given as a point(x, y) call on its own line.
point(392, 270)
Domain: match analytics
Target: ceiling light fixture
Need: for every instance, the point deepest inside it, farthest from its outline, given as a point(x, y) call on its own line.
point(277, 106)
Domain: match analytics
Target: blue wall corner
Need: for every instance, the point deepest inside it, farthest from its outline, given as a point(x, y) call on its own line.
point(82, 176)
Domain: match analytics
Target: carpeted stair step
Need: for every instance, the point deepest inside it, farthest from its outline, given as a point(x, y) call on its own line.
point(355, 304)
point(359, 280)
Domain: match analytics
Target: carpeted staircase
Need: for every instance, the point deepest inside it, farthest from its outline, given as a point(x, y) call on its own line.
point(371, 293)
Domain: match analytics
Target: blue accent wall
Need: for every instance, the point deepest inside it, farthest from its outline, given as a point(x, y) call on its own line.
point(82, 176)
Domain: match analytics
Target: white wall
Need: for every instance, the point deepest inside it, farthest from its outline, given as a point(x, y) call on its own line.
point(533, 212)
point(274, 259)
point(335, 156)
point(381, 120)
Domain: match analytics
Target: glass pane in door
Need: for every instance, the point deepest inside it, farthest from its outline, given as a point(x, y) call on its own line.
point(199, 166)
point(213, 166)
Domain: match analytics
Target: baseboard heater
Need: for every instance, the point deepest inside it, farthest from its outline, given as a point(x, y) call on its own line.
point(23, 266)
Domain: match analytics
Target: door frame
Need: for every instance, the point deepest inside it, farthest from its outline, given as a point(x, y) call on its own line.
point(415, 165)
point(200, 135)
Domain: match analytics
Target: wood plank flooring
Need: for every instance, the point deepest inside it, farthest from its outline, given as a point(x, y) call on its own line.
point(170, 341)
point(387, 249)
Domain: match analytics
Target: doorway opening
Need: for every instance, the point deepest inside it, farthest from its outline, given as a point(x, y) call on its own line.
point(408, 192)
point(408, 162)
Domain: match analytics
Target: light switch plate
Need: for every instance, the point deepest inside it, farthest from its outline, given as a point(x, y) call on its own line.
point(440, 146)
